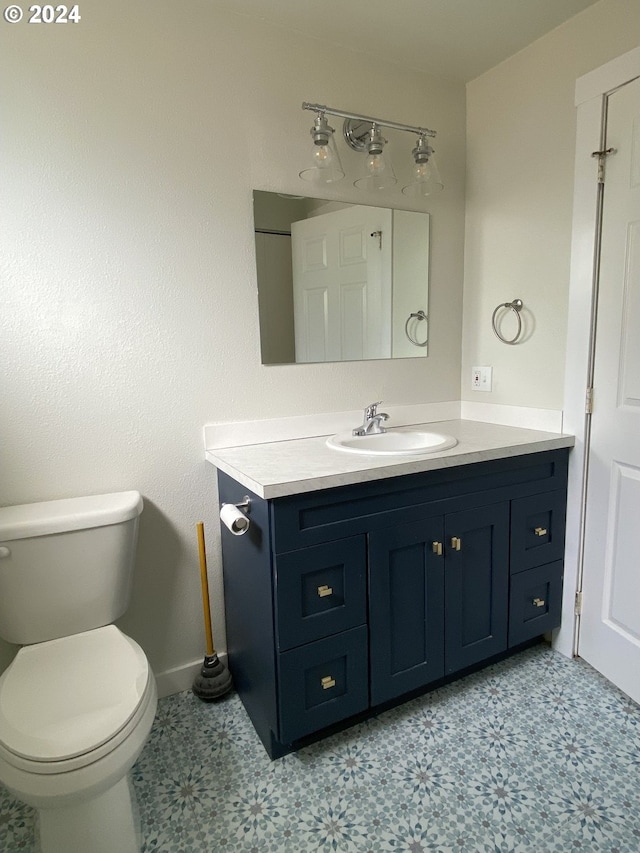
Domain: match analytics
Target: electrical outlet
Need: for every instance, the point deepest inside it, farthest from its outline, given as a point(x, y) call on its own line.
point(481, 378)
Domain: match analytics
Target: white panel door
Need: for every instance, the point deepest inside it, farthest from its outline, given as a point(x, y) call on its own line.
point(310, 271)
point(609, 636)
point(342, 285)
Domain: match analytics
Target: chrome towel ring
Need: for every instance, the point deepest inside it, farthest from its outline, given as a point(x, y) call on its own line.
point(418, 315)
point(516, 307)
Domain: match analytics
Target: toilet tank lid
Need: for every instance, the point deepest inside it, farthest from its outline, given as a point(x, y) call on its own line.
point(62, 516)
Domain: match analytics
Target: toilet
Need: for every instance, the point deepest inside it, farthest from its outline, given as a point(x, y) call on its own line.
point(78, 701)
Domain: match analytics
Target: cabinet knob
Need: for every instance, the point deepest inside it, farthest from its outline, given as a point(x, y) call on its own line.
point(456, 543)
point(539, 602)
point(327, 682)
point(325, 590)
point(540, 531)
point(436, 547)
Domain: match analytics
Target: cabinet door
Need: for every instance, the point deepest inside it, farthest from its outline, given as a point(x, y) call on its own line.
point(406, 608)
point(476, 584)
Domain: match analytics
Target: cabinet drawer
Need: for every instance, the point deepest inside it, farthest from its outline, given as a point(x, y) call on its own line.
point(537, 530)
point(320, 591)
point(535, 602)
point(323, 683)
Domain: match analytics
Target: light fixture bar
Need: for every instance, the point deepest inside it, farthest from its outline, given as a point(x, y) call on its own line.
point(320, 108)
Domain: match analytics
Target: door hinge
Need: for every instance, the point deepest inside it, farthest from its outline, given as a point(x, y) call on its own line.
point(602, 155)
point(588, 406)
point(578, 604)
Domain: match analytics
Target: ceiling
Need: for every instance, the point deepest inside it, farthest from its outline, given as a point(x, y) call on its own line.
point(459, 39)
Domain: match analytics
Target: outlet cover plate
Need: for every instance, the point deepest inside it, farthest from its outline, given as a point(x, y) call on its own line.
point(481, 378)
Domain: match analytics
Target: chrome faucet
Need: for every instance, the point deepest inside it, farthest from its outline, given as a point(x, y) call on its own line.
point(372, 423)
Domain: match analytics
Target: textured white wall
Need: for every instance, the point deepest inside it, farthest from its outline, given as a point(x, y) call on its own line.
point(131, 144)
point(520, 154)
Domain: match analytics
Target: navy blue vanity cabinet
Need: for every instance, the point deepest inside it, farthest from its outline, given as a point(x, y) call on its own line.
point(341, 601)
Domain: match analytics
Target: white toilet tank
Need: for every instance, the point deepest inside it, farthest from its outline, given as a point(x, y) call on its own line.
point(66, 566)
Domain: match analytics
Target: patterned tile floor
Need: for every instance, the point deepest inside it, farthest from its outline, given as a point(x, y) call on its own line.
point(537, 754)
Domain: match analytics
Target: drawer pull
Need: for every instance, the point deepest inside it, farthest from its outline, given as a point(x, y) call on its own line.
point(540, 531)
point(539, 602)
point(436, 547)
point(456, 543)
point(327, 682)
point(325, 590)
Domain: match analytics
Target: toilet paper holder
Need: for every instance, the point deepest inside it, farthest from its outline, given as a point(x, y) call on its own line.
point(234, 516)
point(245, 504)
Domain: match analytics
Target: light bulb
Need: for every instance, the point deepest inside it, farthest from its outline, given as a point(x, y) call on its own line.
point(322, 156)
point(376, 164)
point(326, 166)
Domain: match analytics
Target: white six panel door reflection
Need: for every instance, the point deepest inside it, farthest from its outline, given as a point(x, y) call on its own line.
point(609, 636)
point(342, 285)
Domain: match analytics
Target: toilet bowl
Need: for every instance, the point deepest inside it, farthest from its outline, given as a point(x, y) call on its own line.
point(78, 701)
point(74, 716)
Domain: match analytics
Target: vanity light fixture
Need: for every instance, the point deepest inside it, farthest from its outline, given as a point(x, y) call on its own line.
point(363, 134)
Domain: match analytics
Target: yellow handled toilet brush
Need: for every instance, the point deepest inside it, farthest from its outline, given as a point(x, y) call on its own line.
point(214, 679)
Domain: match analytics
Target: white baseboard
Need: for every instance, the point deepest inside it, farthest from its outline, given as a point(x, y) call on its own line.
point(181, 678)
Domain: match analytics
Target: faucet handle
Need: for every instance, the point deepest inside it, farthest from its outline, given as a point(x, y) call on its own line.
point(372, 409)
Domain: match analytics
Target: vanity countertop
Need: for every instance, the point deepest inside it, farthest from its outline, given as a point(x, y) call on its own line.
point(280, 468)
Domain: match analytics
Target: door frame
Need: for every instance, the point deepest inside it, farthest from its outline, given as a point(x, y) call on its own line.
point(590, 93)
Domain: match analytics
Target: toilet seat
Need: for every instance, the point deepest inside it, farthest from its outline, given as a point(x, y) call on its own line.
point(67, 702)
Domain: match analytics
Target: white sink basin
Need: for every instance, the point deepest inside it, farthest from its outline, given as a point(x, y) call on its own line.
point(392, 443)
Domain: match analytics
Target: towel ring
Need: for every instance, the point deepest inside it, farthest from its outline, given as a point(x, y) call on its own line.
point(418, 315)
point(516, 307)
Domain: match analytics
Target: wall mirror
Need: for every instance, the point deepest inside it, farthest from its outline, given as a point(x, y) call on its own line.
point(338, 281)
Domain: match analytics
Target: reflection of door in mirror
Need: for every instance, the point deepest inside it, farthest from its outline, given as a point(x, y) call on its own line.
point(342, 285)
